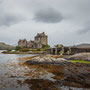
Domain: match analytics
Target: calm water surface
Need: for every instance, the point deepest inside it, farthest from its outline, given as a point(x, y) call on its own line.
point(14, 76)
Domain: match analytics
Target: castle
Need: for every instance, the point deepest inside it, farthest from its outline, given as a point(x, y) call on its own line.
point(39, 40)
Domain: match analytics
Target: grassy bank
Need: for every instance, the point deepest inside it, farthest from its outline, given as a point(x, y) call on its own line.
point(80, 61)
point(25, 50)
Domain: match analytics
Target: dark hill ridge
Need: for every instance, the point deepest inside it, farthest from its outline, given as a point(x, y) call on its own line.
point(84, 45)
point(4, 46)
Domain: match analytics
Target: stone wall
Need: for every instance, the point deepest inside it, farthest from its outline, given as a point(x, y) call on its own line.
point(42, 38)
point(22, 43)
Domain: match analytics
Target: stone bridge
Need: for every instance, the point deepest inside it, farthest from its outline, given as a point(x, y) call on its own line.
point(67, 50)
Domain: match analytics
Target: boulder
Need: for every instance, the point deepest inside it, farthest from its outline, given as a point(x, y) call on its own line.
point(46, 60)
point(80, 56)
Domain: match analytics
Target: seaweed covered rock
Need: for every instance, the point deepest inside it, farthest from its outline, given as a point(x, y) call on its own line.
point(79, 56)
point(47, 60)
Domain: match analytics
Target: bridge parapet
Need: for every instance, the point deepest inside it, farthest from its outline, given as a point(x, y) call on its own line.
point(67, 50)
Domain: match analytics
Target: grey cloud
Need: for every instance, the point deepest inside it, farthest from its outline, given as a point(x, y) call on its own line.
point(48, 15)
point(68, 31)
point(0, 1)
point(85, 30)
point(9, 20)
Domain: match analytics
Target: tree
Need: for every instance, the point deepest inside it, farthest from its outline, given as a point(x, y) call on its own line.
point(45, 46)
point(58, 45)
point(17, 48)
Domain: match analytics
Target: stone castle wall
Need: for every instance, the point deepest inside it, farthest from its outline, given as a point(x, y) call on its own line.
point(22, 43)
point(42, 38)
point(39, 40)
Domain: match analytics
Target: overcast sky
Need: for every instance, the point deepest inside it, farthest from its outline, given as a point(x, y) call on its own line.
point(64, 21)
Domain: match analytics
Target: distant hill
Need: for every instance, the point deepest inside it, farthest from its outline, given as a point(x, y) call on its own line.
point(4, 46)
point(85, 45)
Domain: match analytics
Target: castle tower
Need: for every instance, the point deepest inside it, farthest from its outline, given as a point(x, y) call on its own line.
point(22, 43)
point(41, 38)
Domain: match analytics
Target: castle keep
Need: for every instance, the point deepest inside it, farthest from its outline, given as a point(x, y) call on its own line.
point(39, 40)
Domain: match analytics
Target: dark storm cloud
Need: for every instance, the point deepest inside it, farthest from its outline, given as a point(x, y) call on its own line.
point(48, 16)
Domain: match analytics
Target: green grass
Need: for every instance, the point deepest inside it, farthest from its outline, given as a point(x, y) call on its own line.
point(30, 49)
point(80, 61)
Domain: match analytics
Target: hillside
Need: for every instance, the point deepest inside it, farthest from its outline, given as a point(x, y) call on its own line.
point(85, 45)
point(4, 46)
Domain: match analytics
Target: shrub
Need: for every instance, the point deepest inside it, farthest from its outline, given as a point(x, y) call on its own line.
point(45, 46)
point(38, 49)
point(24, 50)
point(17, 48)
point(9, 50)
point(58, 45)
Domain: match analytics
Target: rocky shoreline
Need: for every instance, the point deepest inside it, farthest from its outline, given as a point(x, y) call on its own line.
point(45, 72)
point(6, 52)
point(47, 60)
point(66, 73)
point(79, 56)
